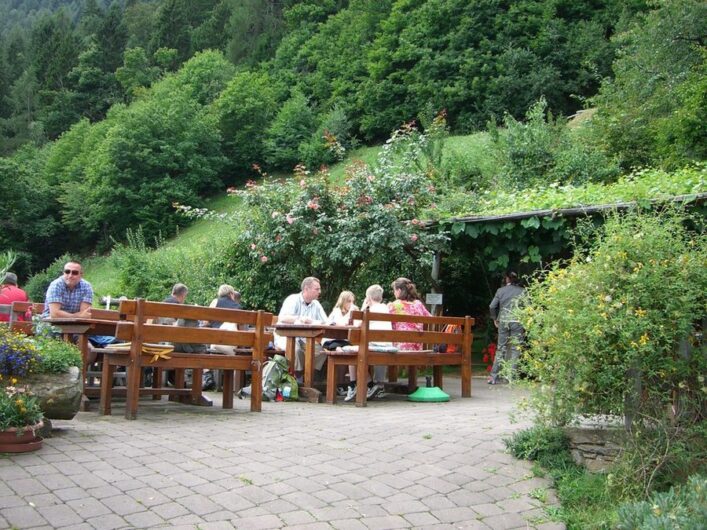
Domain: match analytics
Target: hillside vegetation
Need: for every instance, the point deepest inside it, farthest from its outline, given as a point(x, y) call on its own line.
point(132, 108)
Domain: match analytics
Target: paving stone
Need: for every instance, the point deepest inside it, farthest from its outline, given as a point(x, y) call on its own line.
point(88, 508)
point(143, 519)
point(421, 519)
point(11, 501)
point(23, 517)
point(28, 486)
point(45, 499)
point(170, 510)
point(60, 515)
point(298, 517)
point(387, 522)
point(453, 515)
point(392, 464)
point(108, 522)
point(259, 522)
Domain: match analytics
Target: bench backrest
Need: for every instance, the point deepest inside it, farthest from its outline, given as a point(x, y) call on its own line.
point(18, 313)
point(141, 311)
point(432, 332)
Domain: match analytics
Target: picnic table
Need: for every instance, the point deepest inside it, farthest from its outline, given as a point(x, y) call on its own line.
point(310, 333)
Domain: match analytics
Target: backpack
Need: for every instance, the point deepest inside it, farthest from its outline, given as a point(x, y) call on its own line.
point(276, 375)
point(450, 348)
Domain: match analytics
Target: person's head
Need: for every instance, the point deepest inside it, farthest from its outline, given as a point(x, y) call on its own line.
point(311, 289)
point(346, 299)
point(180, 291)
point(404, 289)
point(374, 294)
point(511, 278)
point(10, 279)
point(227, 290)
point(72, 273)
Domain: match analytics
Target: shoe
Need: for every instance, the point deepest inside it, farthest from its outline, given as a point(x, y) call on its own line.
point(341, 391)
point(490, 381)
point(350, 394)
point(374, 391)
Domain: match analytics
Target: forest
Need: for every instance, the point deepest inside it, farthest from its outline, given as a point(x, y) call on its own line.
point(131, 107)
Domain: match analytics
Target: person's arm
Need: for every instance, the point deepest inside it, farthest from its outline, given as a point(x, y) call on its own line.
point(493, 308)
point(55, 311)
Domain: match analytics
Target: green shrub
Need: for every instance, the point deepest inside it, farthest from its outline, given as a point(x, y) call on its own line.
point(37, 285)
point(612, 332)
point(680, 508)
point(547, 446)
point(56, 356)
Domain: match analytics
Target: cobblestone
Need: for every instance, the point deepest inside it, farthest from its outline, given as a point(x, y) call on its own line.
point(392, 464)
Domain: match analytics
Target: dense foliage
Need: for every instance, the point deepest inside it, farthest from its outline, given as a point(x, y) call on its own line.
point(349, 236)
point(119, 107)
point(616, 331)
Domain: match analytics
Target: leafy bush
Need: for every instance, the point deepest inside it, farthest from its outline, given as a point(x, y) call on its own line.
point(683, 507)
point(150, 271)
point(543, 149)
point(545, 445)
point(36, 287)
point(611, 332)
point(349, 236)
point(56, 356)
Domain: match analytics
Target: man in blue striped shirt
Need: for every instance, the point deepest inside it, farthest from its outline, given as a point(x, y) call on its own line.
point(69, 295)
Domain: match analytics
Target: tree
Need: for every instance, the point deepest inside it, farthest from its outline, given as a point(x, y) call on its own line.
point(245, 110)
point(657, 85)
point(292, 126)
point(172, 28)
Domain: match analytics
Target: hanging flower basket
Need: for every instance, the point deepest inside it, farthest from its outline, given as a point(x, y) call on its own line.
point(21, 439)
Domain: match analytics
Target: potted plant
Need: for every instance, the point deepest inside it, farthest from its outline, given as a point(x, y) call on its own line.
point(47, 365)
point(20, 418)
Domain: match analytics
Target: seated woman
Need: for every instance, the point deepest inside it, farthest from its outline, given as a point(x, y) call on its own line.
point(374, 303)
point(407, 302)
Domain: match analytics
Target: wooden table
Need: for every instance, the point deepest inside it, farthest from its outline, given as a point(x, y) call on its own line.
point(310, 333)
point(83, 327)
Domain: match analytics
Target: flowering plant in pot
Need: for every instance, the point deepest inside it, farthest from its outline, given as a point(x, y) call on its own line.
point(20, 418)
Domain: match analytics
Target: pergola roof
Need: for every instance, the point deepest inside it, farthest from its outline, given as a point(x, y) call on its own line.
point(575, 211)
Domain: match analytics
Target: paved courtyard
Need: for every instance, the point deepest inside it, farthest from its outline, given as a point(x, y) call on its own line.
point(393, 464)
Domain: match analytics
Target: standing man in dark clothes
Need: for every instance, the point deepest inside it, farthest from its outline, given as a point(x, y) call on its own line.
point(510, 330)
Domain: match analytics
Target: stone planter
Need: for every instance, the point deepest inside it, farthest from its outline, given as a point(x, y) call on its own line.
point(59, 394)
point(21, 439)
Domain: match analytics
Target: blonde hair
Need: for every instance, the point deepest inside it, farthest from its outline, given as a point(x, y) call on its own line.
point(343, 297)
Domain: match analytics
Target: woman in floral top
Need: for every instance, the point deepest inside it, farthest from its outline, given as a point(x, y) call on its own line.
point(407, 303)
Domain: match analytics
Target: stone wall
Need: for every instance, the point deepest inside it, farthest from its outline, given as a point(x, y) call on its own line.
point(595, 447)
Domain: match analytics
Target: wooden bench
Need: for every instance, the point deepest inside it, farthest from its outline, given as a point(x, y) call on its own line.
point(139, 332)
point(431, 335)
point(18, 313)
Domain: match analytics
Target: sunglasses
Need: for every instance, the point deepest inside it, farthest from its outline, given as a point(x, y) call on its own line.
point(73, 273)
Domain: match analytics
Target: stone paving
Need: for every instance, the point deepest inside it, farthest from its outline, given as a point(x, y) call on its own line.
point(393, 464)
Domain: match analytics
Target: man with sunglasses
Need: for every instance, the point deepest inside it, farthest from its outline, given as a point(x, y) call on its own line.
point(69, 295)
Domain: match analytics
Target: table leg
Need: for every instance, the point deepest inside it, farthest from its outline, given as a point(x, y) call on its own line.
point(290, 352)
point(309, 361)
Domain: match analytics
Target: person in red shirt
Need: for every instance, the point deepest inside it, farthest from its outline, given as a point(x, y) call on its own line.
point(9, 292)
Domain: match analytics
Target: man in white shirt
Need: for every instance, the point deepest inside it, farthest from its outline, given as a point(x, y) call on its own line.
point(303, 308)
